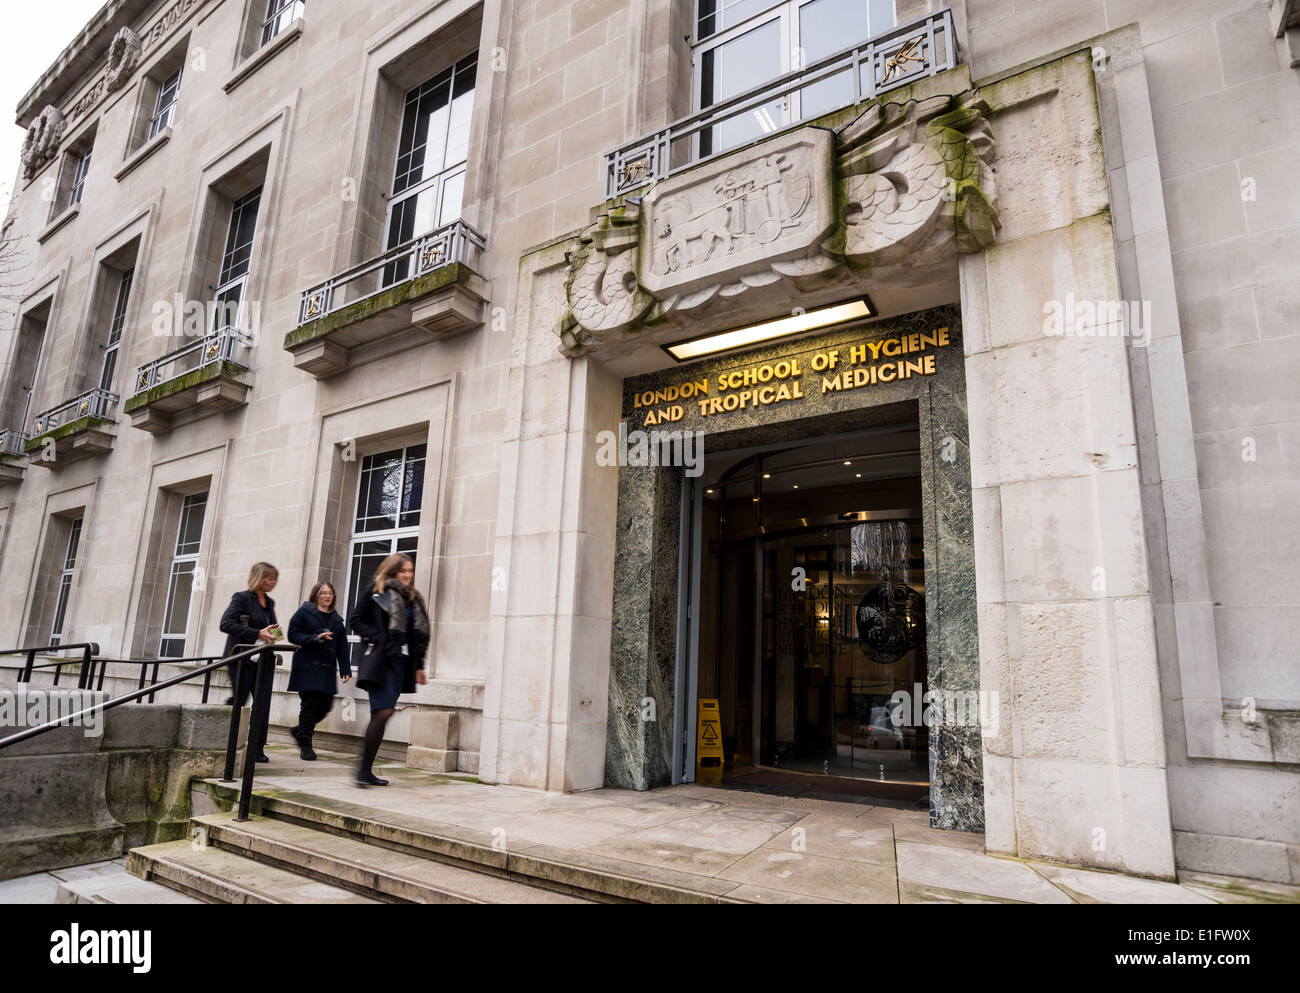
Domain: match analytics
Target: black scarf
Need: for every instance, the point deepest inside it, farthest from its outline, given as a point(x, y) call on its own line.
point(396, 606)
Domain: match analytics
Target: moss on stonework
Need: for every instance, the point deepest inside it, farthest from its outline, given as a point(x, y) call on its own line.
point(65, 431)
point(193, 378)
point(394, 296)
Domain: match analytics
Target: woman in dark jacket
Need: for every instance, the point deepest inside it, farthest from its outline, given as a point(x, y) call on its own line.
point(393, 623)
point(322, 648)
point(250, 619)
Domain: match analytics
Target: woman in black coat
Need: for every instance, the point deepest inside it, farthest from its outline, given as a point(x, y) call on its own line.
point(250, 619)
point(393, 623)
point(322, 648)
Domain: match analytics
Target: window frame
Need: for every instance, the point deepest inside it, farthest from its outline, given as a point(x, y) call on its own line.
point(394, 200)
point(66, 577)
point(394, 536)
point(117, 325)
point(182, 558)
point(227, 281)
point(156, 123)
point(787, 12)
point(275, 15)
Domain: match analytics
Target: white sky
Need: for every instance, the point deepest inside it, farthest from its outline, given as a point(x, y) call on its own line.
point(31, 37)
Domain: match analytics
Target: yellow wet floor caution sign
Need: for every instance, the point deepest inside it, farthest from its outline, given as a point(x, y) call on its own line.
point(708, 747)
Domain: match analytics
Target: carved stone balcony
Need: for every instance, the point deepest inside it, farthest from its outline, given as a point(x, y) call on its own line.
point(78, 429)
point(13, 463)
point(204, 377)
point(427, 283)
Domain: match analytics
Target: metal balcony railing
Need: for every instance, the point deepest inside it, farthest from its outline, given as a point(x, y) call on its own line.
point(227, 345)
point(455, 242)
point(922, 48)
point(11, 442)
point(95, 403)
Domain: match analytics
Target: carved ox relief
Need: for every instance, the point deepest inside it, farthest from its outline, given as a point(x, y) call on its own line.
point(903, 186)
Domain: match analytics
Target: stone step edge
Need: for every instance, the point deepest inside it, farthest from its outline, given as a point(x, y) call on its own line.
point(331, 869)
point(154, 867)
point(532, 869)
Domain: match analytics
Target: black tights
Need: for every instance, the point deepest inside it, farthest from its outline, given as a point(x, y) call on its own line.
point(374, 735)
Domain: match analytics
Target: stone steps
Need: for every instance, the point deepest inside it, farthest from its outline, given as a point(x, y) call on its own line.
point(386, 875)
point(121, 888)
point(588, 876)
point(212, 875)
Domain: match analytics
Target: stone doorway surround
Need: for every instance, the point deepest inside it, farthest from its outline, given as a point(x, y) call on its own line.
point(1063, 581)
point(648, 619)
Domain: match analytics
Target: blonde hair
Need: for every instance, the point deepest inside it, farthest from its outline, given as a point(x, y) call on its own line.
point(260, 574)
point(388, 569)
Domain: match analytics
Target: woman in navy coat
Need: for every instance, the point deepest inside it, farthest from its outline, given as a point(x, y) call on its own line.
point(323, 647)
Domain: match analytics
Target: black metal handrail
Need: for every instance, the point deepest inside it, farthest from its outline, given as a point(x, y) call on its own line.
point(88, 651)
point(99, 667)
point(258, 719)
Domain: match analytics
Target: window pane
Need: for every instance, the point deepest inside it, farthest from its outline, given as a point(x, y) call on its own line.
point(413, 486)
point(882, 16)
point(732, 68)
point(826, 27)
point(366, 559)
point(381, 477)
point(190, 534)
point(74, 540)
point(60, 608)
point(453, 193)
point(177, 613)
point(110, 368)
point(172, 648)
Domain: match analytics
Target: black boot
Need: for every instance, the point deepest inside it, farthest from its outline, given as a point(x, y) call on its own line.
point(304, 747)
point(367, 778)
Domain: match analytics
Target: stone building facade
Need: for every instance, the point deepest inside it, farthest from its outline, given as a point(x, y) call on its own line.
point(312, 281)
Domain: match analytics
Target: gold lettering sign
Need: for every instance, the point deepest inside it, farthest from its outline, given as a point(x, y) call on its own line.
point(832, 370)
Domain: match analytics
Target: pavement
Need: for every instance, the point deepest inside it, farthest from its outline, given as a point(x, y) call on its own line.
point(754, 846)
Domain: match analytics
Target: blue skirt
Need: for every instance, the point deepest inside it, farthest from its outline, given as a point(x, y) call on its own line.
point(394, 677)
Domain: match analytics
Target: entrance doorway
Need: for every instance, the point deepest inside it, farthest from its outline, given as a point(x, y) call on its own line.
point(808, 613)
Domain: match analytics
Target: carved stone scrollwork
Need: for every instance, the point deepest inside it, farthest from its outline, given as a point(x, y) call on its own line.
point(900, 187)
point(42, 141)
point(123, 57)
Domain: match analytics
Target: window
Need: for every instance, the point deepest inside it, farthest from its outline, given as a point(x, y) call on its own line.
point(25, 366)
point(77, 182)
point(429, 178)
point(165, 105)
point(115, 331)
point(232, 281)
point(279, 15)
point(741, 44)
point(180, 585)
point(389, 497)
point(65, 583)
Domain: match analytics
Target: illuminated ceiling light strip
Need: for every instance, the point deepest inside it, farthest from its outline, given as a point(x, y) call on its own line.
point(726, 341)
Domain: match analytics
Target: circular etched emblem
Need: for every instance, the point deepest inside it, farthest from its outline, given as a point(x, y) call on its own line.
point(891, 622)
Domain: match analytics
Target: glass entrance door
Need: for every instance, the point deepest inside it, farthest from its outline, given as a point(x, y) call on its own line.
point(811, 616)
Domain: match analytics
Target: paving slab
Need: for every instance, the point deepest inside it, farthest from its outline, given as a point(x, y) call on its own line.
point(939, 873)
point(40, 888)
point(838, 837)
point(1096, 886)
point(1233, 889)
point(817, 876)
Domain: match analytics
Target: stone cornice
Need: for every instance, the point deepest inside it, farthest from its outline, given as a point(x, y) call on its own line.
point(75, 83)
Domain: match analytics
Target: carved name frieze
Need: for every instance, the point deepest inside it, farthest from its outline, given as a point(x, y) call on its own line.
point(124, 55)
